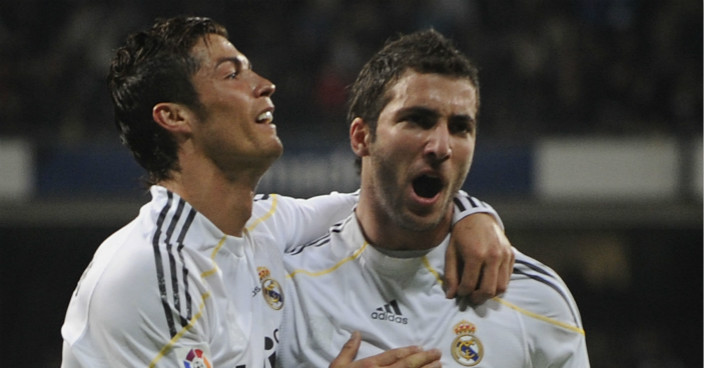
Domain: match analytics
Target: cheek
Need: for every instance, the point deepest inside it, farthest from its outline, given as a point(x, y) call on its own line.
point(464, 153)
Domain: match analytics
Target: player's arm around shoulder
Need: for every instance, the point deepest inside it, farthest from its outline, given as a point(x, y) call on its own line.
point(550, 314)
point(294, 221)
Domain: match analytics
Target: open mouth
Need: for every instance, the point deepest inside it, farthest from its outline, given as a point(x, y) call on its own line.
point(427, 186)
point(265, 117)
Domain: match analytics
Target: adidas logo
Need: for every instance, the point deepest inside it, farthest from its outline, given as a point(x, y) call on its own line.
point(389, 312)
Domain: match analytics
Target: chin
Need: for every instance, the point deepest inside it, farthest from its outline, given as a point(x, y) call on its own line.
point(275, 150)
point(418, 223)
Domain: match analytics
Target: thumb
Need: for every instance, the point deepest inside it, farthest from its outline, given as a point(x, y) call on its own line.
point(348, 352)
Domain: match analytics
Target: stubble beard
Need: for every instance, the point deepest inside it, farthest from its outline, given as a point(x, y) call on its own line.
point(392, 201)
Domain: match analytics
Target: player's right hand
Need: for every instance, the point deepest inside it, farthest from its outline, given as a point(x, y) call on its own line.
point(408, 357)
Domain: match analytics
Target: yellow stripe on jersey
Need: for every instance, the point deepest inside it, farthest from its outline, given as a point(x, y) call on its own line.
point(165, 350)
point(518, 309)
point(212, 258)
point(354, 255)
point(538, 316)
point(430, 268)
point(274, 202)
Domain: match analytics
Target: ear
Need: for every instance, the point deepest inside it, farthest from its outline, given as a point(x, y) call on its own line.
point(360, 137)
point(173, 117)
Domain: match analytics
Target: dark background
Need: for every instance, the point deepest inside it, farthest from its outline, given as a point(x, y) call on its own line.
point(580, 68)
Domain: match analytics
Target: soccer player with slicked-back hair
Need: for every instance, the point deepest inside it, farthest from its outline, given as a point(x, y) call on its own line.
point(196, 279)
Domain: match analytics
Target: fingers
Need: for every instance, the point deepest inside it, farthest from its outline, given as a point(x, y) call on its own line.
point(422, 359)
point(505, 272)
point(451, 267)
point(348, 351)
point(406, 357)
point(412, 355)
point(487, 284)
point(483, 254)
point(472, 274)
point(496, 274)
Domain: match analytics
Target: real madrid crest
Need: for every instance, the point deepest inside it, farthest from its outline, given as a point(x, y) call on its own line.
point(466, 348)
point(271, 289)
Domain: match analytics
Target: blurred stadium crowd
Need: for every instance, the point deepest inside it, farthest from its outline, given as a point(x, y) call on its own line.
point(549, 68)
point(602, 67)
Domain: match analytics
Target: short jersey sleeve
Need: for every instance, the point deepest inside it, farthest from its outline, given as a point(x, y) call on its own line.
point(294, 221)
point(465, 205)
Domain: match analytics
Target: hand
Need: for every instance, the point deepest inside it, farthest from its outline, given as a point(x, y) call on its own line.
point(483, 253)
point(408, 357)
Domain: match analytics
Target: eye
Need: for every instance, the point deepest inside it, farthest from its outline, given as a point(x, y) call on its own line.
point(232, 71)
point(462, 125)
point(420, 120)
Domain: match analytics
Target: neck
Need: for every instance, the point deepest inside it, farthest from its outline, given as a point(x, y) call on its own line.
point(226, 200)
point(395, 232)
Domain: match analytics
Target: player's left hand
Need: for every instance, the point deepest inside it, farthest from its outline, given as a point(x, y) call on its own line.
point(479, 259)
point(405, 357)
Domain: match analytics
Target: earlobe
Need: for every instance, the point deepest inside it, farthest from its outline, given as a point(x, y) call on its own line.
point(359, 137)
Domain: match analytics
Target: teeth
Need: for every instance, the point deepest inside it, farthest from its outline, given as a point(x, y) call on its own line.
point(266, 116)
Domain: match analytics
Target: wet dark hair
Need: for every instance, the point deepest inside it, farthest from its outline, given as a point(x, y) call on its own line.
point(427, 52)
point(156, 65)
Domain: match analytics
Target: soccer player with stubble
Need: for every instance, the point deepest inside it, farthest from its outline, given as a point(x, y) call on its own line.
point(196, 279)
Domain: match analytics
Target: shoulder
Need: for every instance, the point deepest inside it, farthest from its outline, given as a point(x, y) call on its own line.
point(123, 267)
point(268, 208)
point(320, 255)
point(111, 284)
point(539, 292)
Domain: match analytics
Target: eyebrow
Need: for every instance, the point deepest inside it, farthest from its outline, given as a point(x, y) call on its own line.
point(240, 62)
point(418, 110)
point(431, 113)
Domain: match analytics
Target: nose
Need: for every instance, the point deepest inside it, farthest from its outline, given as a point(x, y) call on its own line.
point(438, 146)
point(264, 87)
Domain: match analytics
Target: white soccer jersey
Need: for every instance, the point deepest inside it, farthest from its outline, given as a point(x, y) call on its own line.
point(171, 290)
point(340, 284)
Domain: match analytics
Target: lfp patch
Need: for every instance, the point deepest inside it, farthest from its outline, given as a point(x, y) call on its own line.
point(195, 358)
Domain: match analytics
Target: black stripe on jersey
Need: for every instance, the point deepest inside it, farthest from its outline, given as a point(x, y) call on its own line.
point(317, 242)
point(172, 251)
point(462, 201)
point(459, 204)
point(261, 197)
point(172, 259)
point(549, 283)
point(186, 226)
point(535, 268)
point(337, 227)
point(159, 267)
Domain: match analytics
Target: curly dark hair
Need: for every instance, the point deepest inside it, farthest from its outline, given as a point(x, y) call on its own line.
point(156, 65)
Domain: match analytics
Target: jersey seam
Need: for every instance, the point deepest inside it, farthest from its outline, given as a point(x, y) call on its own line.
point(264, 217)
point(540, 317)
point(354, 256)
